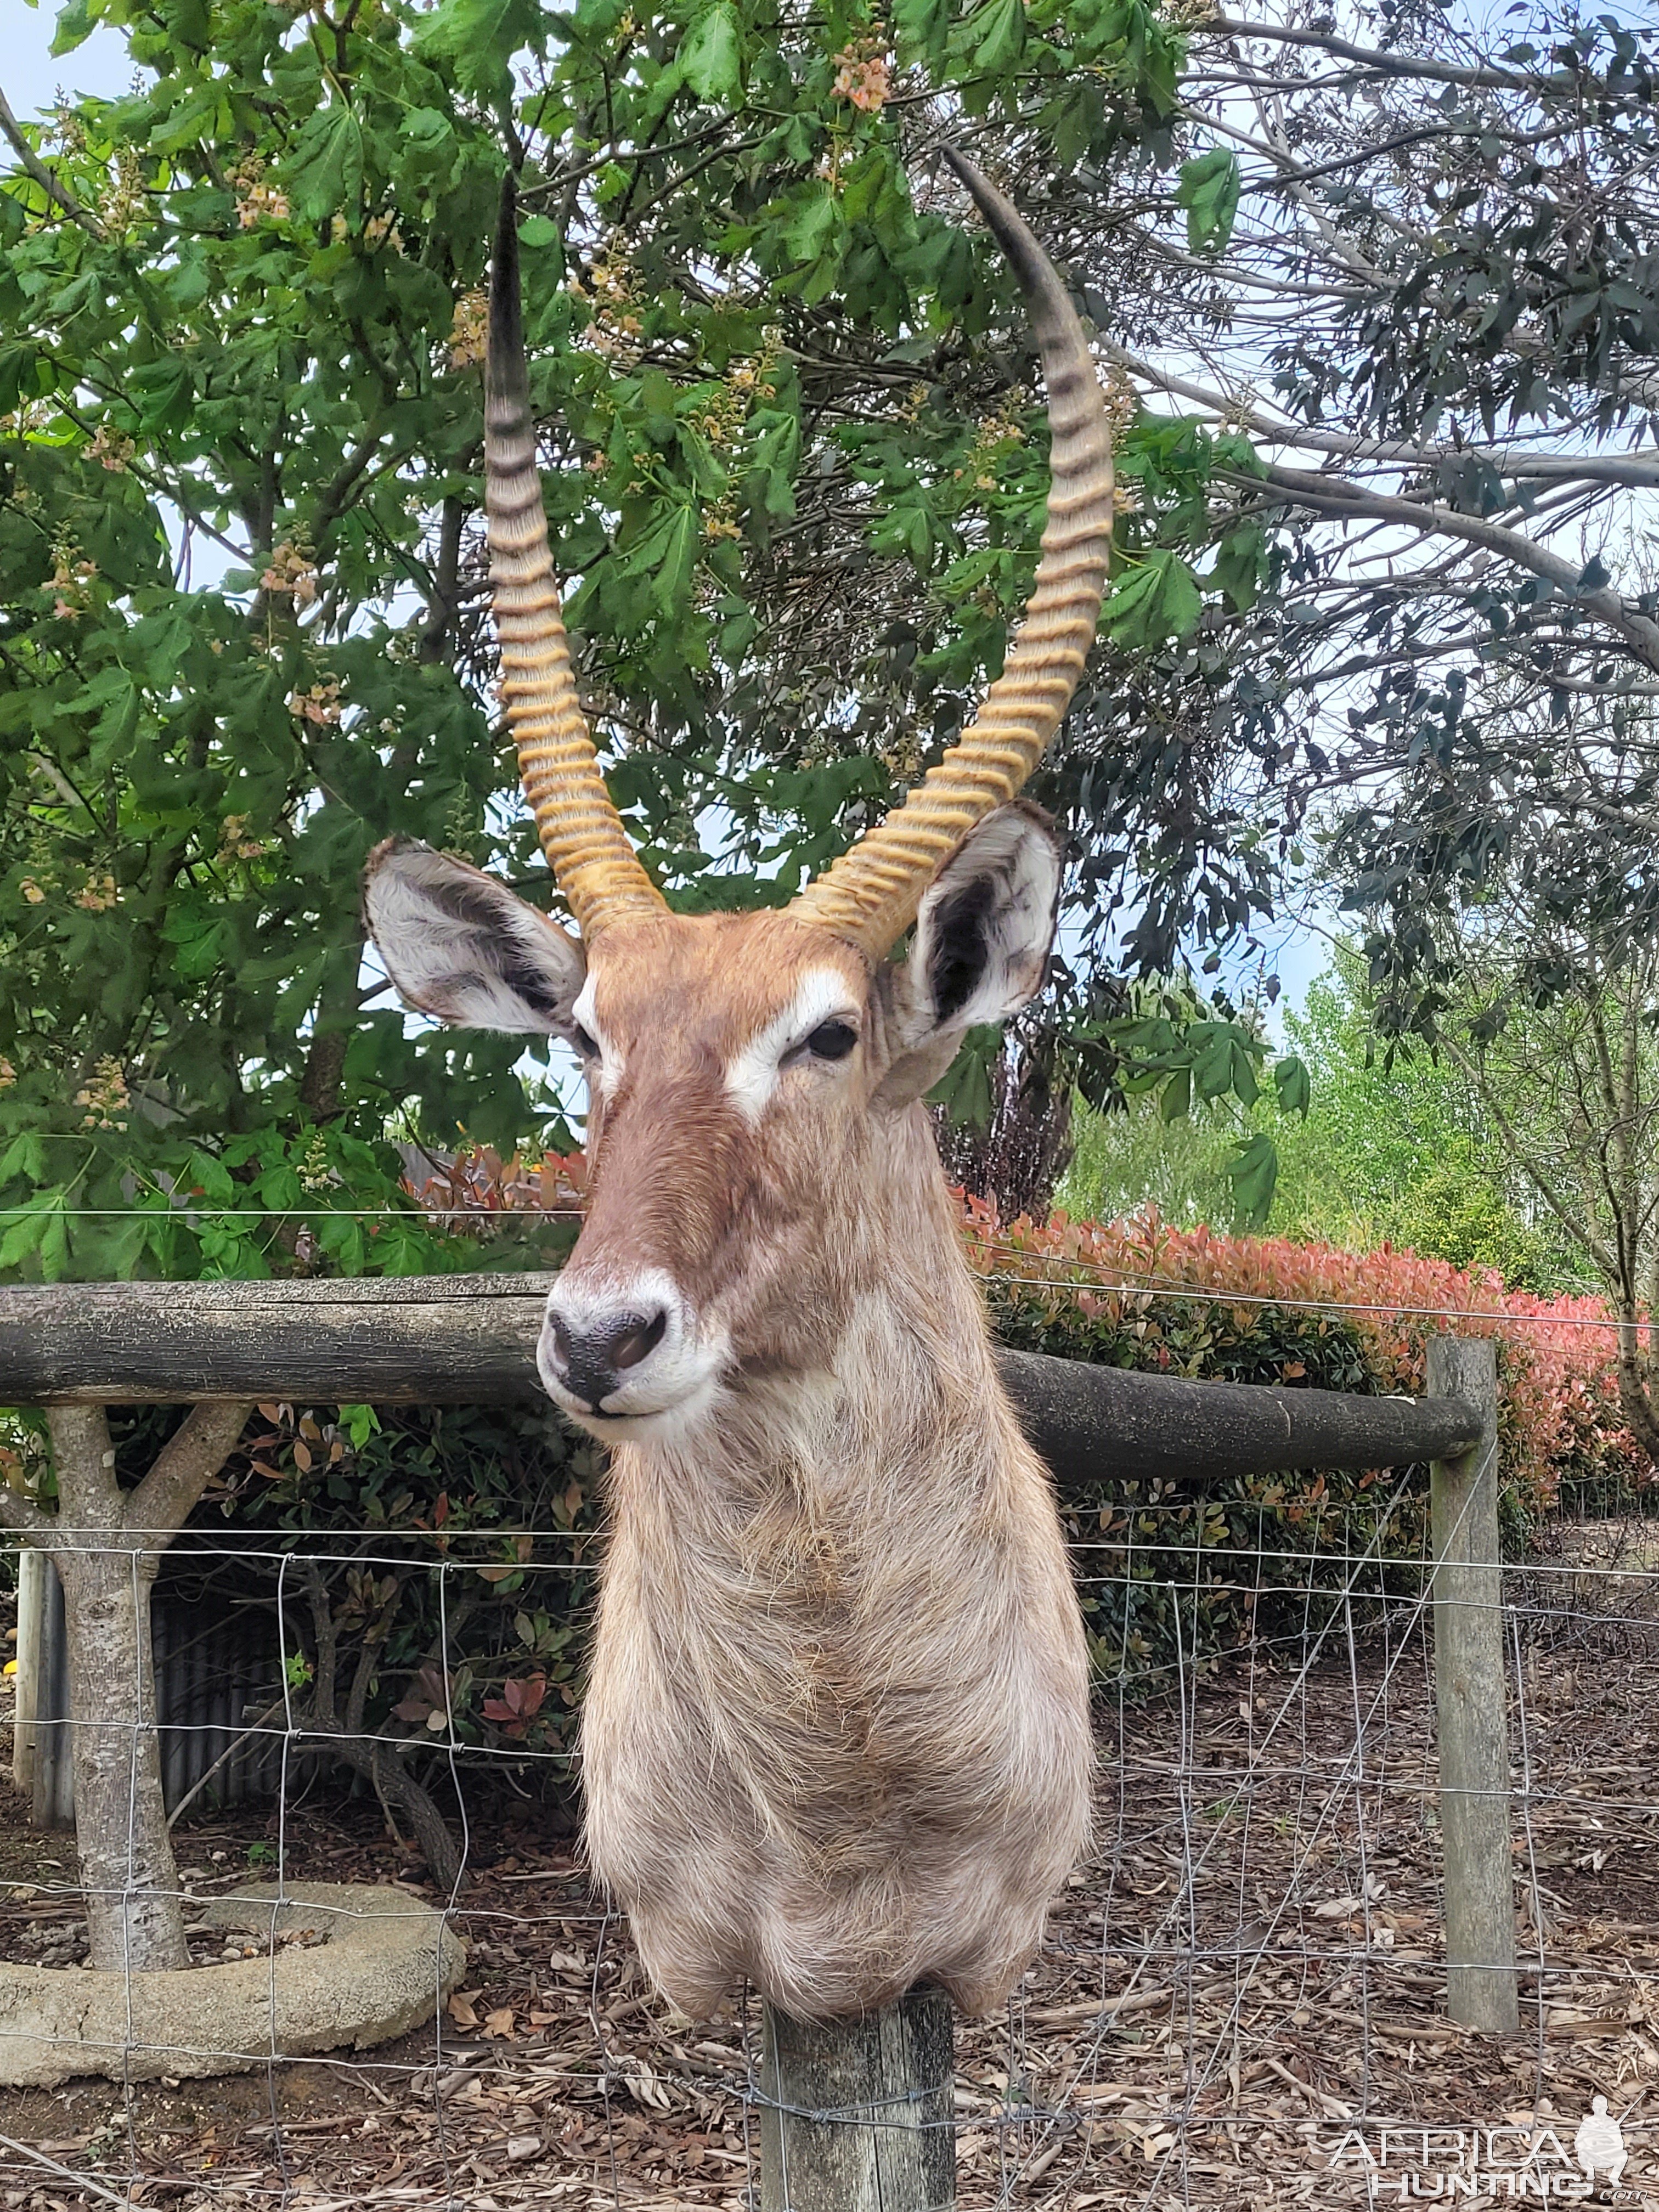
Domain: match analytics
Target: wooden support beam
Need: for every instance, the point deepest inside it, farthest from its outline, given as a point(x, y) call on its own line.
point(470, 1340)
point(857, 2115)
point(1087, 1421)
point(1471, 1703)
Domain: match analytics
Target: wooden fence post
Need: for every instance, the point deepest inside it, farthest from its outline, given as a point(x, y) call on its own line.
point(33, 1568)
point(858, 2114)
point(1471, 1702)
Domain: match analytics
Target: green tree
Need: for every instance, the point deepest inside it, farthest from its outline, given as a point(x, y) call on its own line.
point(241, 585)
point(1428, 298)
point(1131, 1159)
point(1398, 1147)
point(240, 578)
point(240, 571)
point(1556, 1032)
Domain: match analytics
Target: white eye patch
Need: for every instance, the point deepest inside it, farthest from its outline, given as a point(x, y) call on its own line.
point(752, 1075)
point(609, 1072)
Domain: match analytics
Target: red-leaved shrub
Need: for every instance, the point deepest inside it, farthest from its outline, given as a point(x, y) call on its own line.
point(1141, 1293)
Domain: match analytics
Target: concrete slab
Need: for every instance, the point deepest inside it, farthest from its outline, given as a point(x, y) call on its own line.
point(388, 1964)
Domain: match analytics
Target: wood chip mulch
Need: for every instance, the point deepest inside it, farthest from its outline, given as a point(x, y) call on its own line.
point(1246, 1973)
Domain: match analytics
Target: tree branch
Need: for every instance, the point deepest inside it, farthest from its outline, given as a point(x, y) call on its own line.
point(325, 1632)
point(1393, 64)
point(1338, 495)
point(23, 1517)
point(1631, 471)
point(165, 1499)
point(35, 167)
point(1578, 1232)
point(253, 1728)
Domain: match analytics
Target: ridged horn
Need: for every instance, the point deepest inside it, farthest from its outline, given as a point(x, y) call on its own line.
point(581, 833)
point(871, 895)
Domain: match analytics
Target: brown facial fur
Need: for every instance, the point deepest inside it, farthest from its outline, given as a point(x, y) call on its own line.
point(837, 1735)
point(679, 1179)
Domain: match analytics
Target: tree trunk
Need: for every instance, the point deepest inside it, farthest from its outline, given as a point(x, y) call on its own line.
point(135, 1917)
point(1018, 1156)
point(107, 1543)
point(1635, 1383)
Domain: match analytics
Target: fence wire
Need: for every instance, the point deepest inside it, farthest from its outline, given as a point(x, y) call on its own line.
point(1240, 2002)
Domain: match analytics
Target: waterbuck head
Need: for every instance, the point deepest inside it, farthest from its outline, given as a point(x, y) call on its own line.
point(752, 1077)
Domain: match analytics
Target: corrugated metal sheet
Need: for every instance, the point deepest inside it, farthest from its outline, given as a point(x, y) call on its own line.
point(217, 1667)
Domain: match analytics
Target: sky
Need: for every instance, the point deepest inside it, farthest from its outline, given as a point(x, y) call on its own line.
point(30, 75)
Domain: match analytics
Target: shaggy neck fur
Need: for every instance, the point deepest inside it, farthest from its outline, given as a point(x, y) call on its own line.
point(837, 1707)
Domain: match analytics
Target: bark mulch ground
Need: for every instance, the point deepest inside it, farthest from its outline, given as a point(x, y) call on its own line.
point(1242, 1987)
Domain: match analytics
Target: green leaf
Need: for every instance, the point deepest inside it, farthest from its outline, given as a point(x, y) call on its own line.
point(326, 169)
point(360, 1424)
point(965, 1089)
point(161, 391)
point(1208, 189)
point(54, 1240)
point(997, 30)
point(667, 555)
point(25, 1156)
point(21, 367)
point(1156, 600)
point(920, 29)
point(75, 24)
point(1294, 1088)
point(676, 569)
point(477, 39)
point(1240, 567)
point(23, 1237)
point(1254, 1173)
point(711, 55)
point(812, 226)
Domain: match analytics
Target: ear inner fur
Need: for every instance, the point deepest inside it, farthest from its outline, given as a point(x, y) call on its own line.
point(460, 946)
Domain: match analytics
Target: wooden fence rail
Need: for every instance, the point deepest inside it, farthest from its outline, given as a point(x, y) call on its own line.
point(471, 1340)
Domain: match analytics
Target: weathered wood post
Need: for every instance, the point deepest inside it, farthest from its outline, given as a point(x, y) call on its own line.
point(1471, 1701)
point(33, 1568)
point(856, 2114)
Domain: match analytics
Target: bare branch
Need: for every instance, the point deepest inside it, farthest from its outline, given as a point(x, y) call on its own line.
point(1339, 495)
point(23, 1517)
point(1633, 471)
point(1393, 64)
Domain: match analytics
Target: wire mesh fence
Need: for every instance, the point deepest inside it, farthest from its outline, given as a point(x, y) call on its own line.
point(1240, 2002)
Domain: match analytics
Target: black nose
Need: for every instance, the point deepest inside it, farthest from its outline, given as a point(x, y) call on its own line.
point(592, 1360)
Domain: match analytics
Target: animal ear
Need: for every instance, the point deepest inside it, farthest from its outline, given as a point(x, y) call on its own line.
point(458, 945)
point(981, 943)
point(987, 922)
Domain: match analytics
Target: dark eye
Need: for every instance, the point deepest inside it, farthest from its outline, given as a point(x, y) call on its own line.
point(832, 1040)
point(583, 1042)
